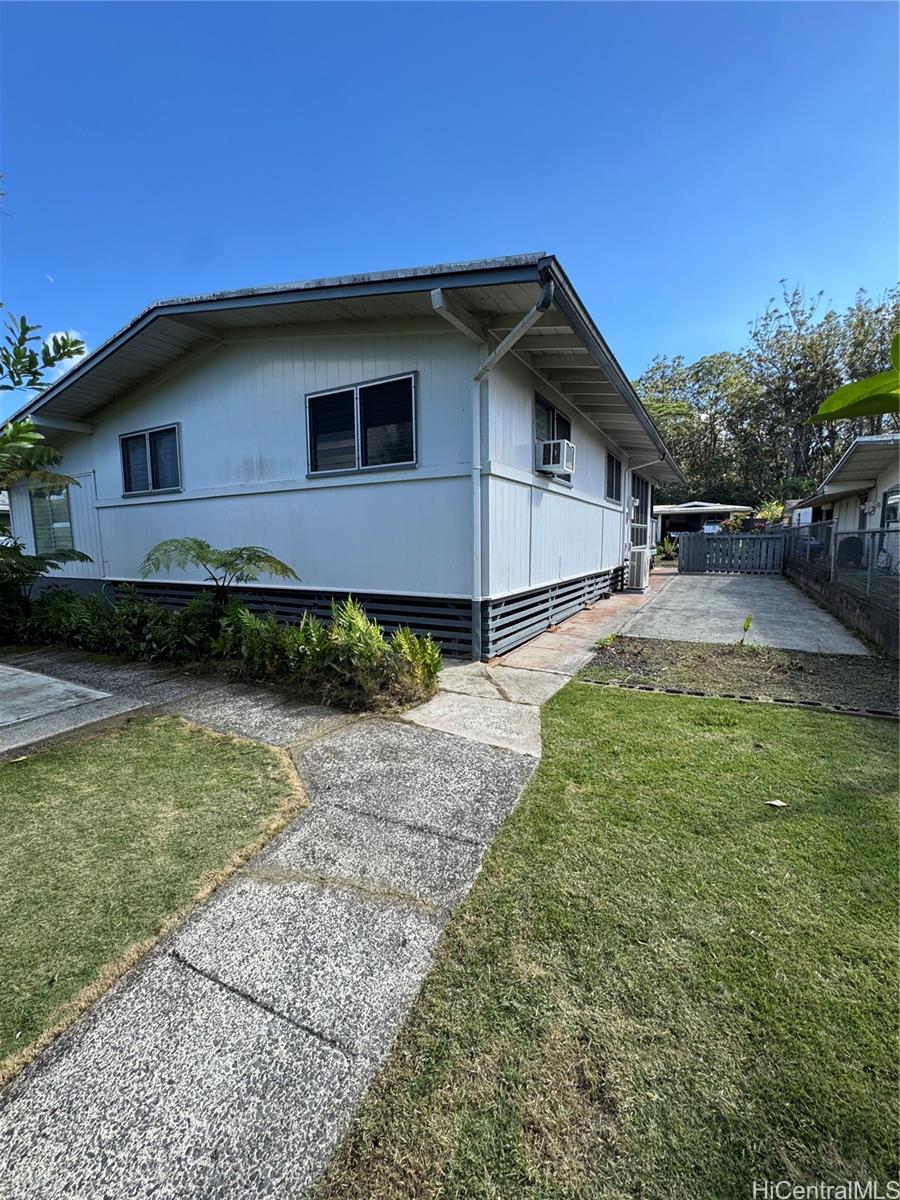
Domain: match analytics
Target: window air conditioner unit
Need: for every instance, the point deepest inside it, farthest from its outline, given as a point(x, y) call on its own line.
point(638, 570)
point(554, 458)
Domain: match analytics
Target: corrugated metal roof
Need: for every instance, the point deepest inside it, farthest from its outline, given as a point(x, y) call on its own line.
point(565, 348)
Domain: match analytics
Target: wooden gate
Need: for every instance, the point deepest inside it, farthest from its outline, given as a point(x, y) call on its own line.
point(731, 553)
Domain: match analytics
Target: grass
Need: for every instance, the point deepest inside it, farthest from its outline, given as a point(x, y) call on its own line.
point(103, 843)
point(853, 680)
point(659, 987)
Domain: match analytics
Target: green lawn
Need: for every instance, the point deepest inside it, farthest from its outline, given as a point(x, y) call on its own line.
point(659, 986)
point(102, 842)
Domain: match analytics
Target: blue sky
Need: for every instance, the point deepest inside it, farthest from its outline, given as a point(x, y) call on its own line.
point(679, 158)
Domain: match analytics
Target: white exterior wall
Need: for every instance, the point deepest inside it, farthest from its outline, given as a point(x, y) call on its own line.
point(539, 530)
point(242, 421)
point(846, 511)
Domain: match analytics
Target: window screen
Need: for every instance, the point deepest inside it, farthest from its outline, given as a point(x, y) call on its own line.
point(150, 461)
point(386, 422)
point(367, 425)
point(543, 421)
point(50, 520)
point(613, 479)
point(332, 432)
point(135, 468)
point(164, 458)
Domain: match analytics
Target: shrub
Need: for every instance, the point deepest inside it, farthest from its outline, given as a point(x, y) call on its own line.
point(349, 662)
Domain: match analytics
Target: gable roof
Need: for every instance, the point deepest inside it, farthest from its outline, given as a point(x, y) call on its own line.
point(564, 348)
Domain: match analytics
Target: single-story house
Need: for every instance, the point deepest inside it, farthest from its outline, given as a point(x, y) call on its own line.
point(694, 516)
point(454, 445)
point(863, 490)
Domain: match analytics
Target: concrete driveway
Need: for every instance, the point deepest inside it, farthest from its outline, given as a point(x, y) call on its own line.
point(712, 608)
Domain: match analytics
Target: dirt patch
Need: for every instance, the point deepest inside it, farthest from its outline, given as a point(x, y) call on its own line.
point(850, 680)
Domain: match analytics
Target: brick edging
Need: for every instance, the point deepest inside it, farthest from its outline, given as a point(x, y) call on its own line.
point(878, 714)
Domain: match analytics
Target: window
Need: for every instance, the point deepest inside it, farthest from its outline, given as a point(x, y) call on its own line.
point(151, 461)
point(640, 515)
point(613, 479)
point(51, 520)
point(550, 425)
point(890, 508)
point(364, 426)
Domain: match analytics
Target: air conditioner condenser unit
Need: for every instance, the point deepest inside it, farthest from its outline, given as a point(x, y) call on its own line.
point(638, 570)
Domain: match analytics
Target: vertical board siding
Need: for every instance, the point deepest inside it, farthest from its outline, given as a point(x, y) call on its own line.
point(732, 554)
point(242, 418)
point(540, 532)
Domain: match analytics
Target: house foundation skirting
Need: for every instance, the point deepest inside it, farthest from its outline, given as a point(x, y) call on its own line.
point(449, 621)
point(505, 622)
point(512, 620)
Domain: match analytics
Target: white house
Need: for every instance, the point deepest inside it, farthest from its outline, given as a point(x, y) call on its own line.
point(386, 435)
point(863, 490)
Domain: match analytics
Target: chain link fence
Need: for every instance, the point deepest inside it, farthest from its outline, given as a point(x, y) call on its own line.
point(864, 563)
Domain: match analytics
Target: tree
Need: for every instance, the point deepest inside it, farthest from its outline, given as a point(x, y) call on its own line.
point(238, 564)
point(872, 397)
point(25, 357)
point(741, 424)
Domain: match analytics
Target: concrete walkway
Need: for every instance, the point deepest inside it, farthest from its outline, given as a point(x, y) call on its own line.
point(712, 608)
point(230, 1060)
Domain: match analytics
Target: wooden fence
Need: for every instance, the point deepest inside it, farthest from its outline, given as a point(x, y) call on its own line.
point(731, 553)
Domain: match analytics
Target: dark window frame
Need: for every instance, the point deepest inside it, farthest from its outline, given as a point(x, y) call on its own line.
point(610, 495)
point(555, 416)
point(145, 433)
point(360, 467)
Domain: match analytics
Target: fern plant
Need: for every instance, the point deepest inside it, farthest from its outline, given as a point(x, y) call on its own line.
point(236, 564)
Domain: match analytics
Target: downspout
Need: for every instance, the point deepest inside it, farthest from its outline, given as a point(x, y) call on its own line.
point(502, 348)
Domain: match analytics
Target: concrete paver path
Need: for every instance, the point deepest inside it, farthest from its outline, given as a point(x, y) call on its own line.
point(712, 608)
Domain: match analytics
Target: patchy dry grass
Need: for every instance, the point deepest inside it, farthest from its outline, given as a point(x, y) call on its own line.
point(103, 844)
point(659, 988)
point(853, 680)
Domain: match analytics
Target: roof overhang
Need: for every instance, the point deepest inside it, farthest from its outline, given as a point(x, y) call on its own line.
point(699, 510)
point(564, 349)
point(857, 470)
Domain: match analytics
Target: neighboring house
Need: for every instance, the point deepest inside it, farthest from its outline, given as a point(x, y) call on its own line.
point(863, 490)
point(401, 436)
point(5, 525)
point(694, 516)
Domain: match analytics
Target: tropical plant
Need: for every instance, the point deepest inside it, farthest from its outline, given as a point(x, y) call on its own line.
point(771, 511)
point(867, 397)
point(26, 458)
point(734, 523)
point(25, 356)
point(237, 564)
point(348, 662)
point(748, 621)
point(667, 549)
point(18, 574)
